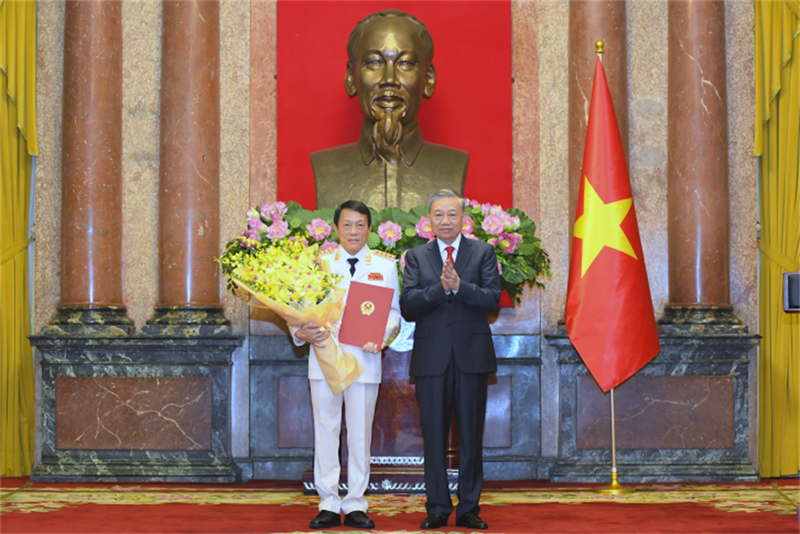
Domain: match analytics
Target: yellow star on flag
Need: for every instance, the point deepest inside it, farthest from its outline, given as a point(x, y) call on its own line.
point(599, 226)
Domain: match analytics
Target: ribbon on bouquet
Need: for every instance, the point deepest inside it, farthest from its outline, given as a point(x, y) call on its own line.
point(339, 367)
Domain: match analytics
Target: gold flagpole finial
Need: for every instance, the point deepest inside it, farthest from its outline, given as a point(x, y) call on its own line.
point(599, 45)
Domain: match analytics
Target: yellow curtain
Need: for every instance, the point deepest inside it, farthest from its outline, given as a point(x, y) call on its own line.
point(778, 145)
point(18, 144)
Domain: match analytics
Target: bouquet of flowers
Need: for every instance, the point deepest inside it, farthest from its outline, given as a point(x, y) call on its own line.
point(274, 262)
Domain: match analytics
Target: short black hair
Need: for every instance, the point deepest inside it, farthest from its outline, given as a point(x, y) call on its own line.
point(354, 205)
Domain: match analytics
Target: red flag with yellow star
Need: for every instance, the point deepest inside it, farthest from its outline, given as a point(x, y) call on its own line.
point(609, 314)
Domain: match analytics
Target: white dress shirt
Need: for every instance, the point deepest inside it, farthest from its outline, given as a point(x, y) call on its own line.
point(443, 252)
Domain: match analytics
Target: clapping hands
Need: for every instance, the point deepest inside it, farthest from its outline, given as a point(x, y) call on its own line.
point(450, 279)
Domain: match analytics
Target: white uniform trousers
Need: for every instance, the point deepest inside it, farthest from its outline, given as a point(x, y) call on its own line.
point(359, 400)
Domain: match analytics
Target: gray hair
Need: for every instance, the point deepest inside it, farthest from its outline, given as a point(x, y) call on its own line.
point(354, 40)
point(445, 193)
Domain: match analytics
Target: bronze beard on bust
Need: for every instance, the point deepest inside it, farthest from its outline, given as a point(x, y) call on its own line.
point(390, 69)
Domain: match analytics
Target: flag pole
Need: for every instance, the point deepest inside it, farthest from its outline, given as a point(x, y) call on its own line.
point(615, 488)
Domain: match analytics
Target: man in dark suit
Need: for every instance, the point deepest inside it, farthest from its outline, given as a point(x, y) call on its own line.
point(450, 284)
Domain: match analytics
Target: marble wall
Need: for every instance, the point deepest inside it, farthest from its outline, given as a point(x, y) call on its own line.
point(540, 99)
point(108, 413)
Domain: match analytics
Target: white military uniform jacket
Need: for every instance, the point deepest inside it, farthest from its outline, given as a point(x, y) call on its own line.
point(373, 268)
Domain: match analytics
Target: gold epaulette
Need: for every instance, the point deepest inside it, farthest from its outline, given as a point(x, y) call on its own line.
point(386, 255)
point(392, 336)
point(329, 251)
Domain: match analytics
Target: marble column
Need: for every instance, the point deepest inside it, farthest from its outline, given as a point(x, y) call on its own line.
point(91, 224)
point(697, 167)
point(590, 22)
point(189, 287)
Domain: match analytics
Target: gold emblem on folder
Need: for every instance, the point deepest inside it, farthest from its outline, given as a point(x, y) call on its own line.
point(367, 307)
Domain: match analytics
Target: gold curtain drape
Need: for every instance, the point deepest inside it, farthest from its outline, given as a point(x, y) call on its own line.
point(777, 143)
point(18, 144)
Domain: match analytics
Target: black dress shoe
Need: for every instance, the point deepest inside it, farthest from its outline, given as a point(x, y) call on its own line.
point(433, 521)
point(471, 520)
point(358, 519)
point(326, 519)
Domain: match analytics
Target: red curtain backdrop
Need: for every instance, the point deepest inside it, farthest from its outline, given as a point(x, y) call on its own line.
point(470, 109)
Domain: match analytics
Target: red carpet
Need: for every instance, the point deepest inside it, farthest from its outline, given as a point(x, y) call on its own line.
point(276, 506)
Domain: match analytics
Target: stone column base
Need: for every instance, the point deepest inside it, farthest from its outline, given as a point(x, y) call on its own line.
point(90, 321)
point(187, 321)
point(682, 320)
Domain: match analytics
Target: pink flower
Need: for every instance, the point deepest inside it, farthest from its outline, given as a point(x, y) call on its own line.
point(494, 224)
point(278, 230)
point(403, 259)
point(469, 226)
point(423, 228)
point(390, 232)
point(248, 237)
point(499, 266)
point(319, 229)
point(492, 241)
point(327, 245)
point(268, 210)
point(485, 208)
point(512, 223)
point(473, 203)
point(257, 225)
point(508, 242)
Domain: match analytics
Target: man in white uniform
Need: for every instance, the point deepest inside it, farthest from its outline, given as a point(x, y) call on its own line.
point(354, 261)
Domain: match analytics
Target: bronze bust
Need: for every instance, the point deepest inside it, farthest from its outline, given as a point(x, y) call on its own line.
point(390, 69)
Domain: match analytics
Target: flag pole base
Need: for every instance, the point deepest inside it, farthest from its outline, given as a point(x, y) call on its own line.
point(615, 488)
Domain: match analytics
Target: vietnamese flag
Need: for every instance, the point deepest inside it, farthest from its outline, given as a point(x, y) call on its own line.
point(609, 316)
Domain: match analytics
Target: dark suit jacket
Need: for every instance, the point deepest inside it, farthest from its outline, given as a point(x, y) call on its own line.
point(451, 323)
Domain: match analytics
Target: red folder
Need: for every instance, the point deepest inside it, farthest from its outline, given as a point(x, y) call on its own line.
point(366, 314)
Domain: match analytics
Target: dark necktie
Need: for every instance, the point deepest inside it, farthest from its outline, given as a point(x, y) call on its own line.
point(352, 262)
point(450, 254)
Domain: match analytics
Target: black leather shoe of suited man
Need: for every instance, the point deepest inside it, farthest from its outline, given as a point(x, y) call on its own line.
point(358, 519)
point(326, 519)
point(470, 520)
point(433, 521)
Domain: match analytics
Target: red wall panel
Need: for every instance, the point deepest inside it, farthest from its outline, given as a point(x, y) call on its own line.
point(471, 108)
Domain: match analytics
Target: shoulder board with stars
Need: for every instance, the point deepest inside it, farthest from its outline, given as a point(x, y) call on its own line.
point(383, 254)
point(329, 251)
